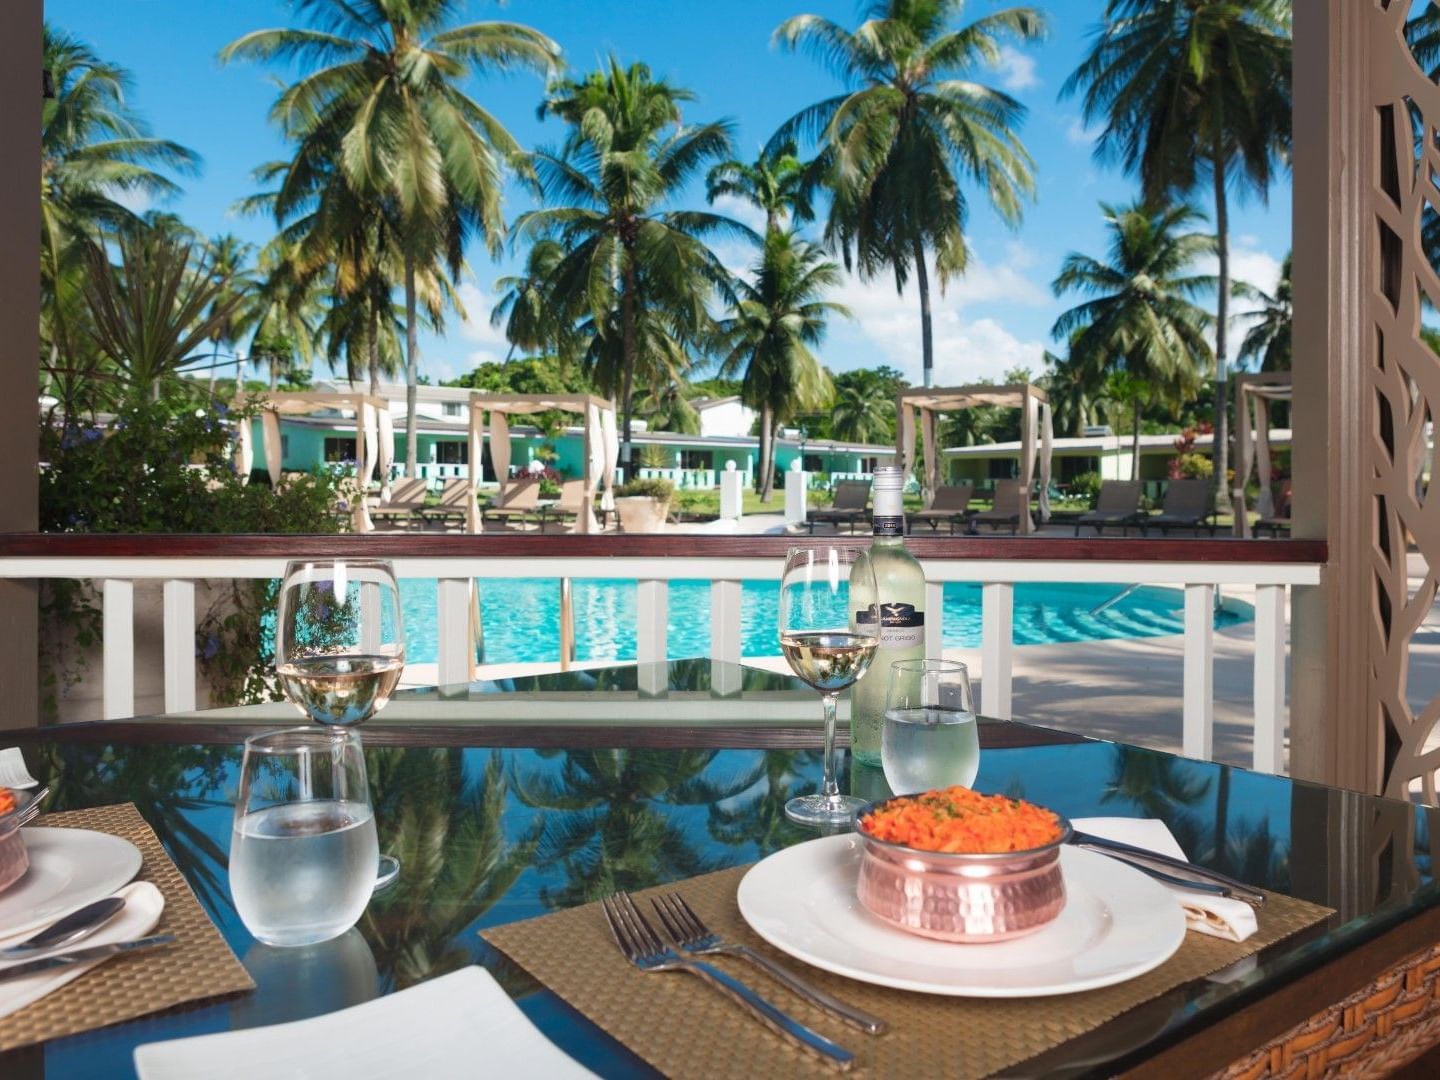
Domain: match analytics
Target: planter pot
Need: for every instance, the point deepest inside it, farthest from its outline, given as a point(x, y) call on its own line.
point(641, 513)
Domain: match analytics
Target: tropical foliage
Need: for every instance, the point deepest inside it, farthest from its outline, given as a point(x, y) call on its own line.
point(911, 124)
point(1141, 318)
point(1189, 91)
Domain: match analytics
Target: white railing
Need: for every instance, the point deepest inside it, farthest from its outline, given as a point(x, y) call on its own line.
point(454, 576)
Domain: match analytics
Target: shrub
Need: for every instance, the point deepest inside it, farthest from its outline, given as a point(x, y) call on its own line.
point(653, 488)
point(1194, 467)
point(1086, 486)
point(164, 467)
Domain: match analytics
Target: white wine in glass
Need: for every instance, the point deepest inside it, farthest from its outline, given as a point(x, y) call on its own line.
point(828, 637)
point(340, 639)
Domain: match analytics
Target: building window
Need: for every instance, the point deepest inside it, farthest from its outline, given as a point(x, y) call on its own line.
point(340, 449)
point(697, 459)
point(452, 408)
point(1004, 468)
point(452, 452)
point(1071, 467)
point(812, 463)
point(284, 446)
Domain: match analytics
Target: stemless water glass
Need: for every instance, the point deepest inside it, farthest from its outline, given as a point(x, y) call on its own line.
point(827, 633)
point(303, 851)
point(340, 638)
point(930, 737)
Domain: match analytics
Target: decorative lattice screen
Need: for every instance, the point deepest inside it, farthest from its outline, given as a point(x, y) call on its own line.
point(1402, 380)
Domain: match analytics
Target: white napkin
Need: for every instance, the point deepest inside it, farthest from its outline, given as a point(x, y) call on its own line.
point(143, 907)
point(13, 773)
point(459, 1026)
point(1218, 916)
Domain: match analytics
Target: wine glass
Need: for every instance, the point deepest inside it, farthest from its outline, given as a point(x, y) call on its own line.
point(304, 850)
point(340, 647)
point(340, 639)
point(930, 739)
point(828, 633)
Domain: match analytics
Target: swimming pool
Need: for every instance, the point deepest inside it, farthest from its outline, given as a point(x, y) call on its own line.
point(522, 617)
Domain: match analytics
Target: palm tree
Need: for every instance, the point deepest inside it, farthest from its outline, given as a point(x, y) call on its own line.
point(285, 311)
point(1141, 318)
point(382, 103)
point(1268, 339)
point(776, 319)
point(664, 407)
point(636, 275)
point(1191, 90)
point(910, 124)
point(1076, 390)
point(776, 183)
point(528, 312)
point(861, 410)
point(228, 256)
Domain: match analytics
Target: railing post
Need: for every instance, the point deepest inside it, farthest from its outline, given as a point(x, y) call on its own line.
point(997, 648)
point(179, 606)
point(1198, 726)
point(725, 643)
point(454, 647)
point(118, 650)
point(651, 616)
point(567, 625)
point(1270, 678)
point(934, 616)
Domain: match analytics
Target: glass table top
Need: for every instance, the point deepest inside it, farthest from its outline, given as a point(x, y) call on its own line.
point(524, 829)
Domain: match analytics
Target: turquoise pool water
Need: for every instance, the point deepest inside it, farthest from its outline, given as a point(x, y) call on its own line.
point(522, 617)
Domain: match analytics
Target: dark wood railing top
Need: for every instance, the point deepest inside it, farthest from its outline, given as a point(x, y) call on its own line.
point(697, 545)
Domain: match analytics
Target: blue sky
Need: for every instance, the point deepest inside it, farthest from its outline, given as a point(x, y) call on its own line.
point(998, 316)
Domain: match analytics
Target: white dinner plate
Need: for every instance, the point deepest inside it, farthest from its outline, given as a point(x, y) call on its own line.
point(68, 868)
point(1116, 924)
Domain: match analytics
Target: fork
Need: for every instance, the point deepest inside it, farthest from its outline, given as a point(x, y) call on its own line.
point(691, 935)
point(643, 948)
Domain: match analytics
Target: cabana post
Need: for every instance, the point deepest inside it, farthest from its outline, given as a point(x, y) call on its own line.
point(1253, 394)
point(1036, 432)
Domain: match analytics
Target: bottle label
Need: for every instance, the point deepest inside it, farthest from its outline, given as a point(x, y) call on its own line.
point(901, 626)
point(885, 525)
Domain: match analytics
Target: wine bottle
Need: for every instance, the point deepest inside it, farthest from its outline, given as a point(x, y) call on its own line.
point(901, 591)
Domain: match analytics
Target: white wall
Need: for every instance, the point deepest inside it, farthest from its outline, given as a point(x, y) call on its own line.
point(727, 418)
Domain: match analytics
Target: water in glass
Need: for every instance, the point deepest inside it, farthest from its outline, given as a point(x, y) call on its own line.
point(930, 738)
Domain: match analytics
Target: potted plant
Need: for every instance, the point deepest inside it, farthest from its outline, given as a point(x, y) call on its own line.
point(641, 505)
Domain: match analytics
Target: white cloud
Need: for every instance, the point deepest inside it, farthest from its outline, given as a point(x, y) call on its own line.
point(136, 200)
point(1248, 263)
point(1077, 133)
point(744, 212)
point(966, 348)
point(1016, 70)
point(476, 328)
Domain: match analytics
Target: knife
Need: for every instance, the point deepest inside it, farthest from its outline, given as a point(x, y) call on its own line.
point(84, 956)
point(1197, 877)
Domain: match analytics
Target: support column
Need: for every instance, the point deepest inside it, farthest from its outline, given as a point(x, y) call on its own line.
point(1334, 738)
point(20, 83)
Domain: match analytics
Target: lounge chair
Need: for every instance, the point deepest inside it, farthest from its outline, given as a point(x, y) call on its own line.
point(1280, 522)
point(1011, 500)
point(1187, 506)
point(849, 507)
point(951, 504)
point(407, 496)
point(454, 497)
point(568, 507)
point(522, 499)
point(1118, 504)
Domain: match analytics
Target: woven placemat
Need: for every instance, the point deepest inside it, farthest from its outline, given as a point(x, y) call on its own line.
point(683, 1028)
point(199, 964)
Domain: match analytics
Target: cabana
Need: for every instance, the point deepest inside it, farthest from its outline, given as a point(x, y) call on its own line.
point(602, 445)
point(1253, 394)
point(1036, 432)
point(374, 436)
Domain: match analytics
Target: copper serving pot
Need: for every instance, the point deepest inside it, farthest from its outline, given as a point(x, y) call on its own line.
point(14, 859)
point(958, 897)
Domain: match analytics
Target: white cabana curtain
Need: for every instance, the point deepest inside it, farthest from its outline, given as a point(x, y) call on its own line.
point(386, 427)
point(1047, 453)
point(1265, 501)
point(907, 438)
point(932, 454)
point(594, 469)
point(500, 449)
point(365, 446)
point(610, 437)
point(476, 457)
point(245, 448)
point(1245, 448)
point(270, 438)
